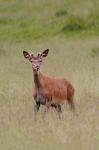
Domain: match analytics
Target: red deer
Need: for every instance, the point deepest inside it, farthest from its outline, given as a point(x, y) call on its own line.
point(48, 91)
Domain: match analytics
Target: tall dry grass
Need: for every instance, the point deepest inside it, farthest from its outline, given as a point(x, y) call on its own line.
point(73, 59)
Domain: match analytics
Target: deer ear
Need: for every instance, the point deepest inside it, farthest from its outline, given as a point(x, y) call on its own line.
point(45, 53)
point(26, 54)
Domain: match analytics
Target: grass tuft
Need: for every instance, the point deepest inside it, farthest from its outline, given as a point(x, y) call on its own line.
point(61, 13)
point(95, 52)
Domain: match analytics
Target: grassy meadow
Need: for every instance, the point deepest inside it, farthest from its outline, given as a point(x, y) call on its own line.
point(70, 29)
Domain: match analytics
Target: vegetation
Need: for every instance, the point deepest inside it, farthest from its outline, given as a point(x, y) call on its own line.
point(70, 29)
point(32, 20)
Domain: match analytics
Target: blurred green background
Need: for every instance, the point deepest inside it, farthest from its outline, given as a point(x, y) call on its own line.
point(70, 29)
point(35, 19)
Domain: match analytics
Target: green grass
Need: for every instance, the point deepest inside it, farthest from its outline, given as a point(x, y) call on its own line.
point(31, 20)
point(70, 30)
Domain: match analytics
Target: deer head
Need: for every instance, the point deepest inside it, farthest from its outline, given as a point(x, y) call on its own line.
point(36, 60)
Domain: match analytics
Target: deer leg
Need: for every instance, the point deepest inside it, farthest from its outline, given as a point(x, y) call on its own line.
point(36, 109)
point(71, 103)
point(59, 110)
point(47, 106)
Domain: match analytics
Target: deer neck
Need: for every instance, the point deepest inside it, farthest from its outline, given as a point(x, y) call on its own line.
point(37, 80)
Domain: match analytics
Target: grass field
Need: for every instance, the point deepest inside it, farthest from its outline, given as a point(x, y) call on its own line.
point(70, 29)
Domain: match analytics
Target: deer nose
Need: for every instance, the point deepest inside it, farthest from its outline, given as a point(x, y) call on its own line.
point(37, 67)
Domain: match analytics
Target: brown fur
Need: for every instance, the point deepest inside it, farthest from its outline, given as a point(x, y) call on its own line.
point(57, 90)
